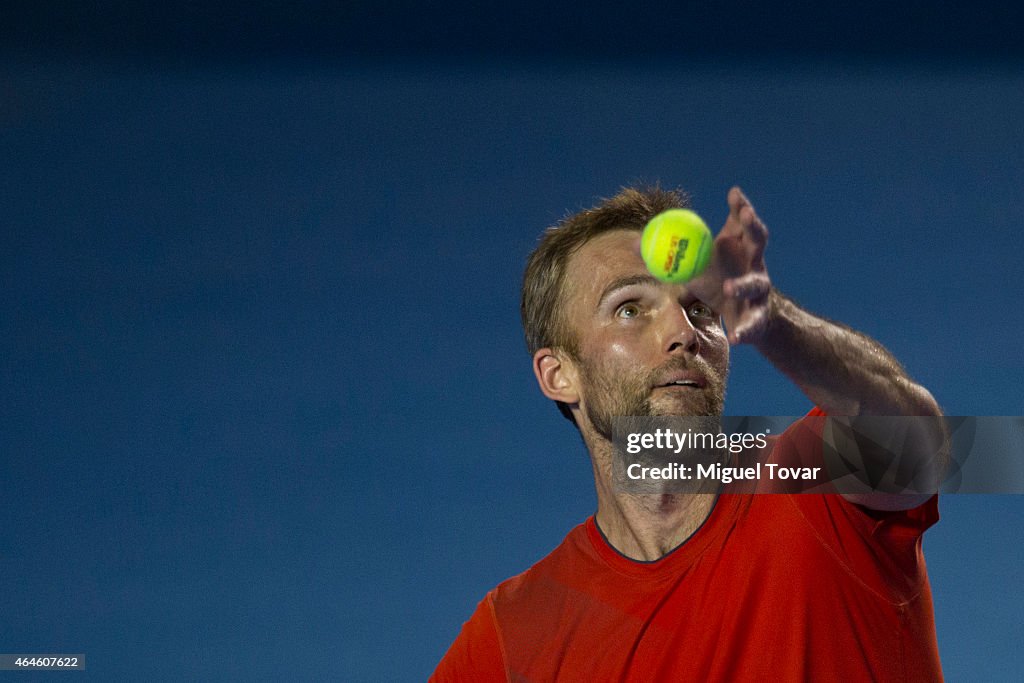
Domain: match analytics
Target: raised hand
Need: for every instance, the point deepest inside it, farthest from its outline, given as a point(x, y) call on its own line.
point(736, 282)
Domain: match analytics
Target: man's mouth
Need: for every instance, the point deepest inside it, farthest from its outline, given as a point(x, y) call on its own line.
point(690, 380)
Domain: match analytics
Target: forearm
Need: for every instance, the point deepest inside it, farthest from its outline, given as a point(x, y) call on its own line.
point(839, 369)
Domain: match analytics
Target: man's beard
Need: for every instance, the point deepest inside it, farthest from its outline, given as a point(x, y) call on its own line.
point(609, 396)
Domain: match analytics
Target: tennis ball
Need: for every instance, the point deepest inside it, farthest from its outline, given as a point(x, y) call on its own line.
point(676, 245)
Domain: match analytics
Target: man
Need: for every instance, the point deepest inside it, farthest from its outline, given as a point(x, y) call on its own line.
point(703, 587)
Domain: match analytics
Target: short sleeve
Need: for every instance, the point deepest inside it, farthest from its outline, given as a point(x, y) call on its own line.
point(476, 653)
point(883, 548)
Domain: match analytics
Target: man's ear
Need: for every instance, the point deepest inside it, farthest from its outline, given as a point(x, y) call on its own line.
point(556, 375)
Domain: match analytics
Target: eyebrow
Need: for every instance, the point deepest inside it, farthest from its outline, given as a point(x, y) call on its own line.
point(623, 282)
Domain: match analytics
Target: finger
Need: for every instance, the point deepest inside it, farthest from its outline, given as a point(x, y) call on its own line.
point(752, 286)
point(754, 227)
point(737, 200)
point(751, 327)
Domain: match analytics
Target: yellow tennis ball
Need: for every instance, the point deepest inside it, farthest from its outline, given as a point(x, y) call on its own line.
point(676, 245)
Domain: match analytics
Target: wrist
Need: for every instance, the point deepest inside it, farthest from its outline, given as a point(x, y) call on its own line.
point(775, 305)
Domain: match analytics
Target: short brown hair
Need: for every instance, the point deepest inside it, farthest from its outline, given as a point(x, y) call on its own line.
point(544, 279)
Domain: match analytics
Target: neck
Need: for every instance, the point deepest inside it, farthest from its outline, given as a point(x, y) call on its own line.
point(646, 526)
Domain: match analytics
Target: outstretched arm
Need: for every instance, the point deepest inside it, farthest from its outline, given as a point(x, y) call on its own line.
point(844, 372)
point(841, 370)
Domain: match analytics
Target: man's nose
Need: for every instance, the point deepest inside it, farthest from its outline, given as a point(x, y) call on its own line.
point(679, 334)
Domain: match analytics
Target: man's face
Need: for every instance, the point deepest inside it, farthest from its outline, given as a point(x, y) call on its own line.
point(644, 347)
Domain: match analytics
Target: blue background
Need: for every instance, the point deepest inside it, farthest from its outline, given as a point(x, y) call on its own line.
point(266, 408)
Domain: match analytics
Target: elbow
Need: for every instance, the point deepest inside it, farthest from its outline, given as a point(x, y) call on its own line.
point(901, 397)
point(918, 401)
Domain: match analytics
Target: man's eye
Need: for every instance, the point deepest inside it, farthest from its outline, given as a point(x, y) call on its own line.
point(628, 311)
point(701, 310)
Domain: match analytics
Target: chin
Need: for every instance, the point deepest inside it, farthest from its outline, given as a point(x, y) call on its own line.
point(699, 409)
point(701, 405)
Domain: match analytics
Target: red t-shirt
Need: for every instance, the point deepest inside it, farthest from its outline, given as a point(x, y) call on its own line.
point(804, 587)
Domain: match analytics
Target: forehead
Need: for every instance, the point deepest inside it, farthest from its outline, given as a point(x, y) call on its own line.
point(601, 260)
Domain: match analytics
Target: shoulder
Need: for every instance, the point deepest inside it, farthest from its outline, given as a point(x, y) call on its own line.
point(550, 574)
point(479, 651)
point(882, 548)
point(893, 528)
point(476, 654)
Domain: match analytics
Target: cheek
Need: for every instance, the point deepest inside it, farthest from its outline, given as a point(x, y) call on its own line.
point(716, 348)
point(620, 350)
point(608, 348)
point(614, 362)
